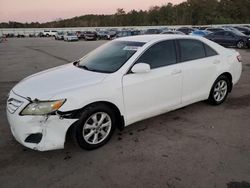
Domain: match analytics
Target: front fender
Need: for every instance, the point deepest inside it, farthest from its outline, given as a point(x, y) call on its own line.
point(105, 92)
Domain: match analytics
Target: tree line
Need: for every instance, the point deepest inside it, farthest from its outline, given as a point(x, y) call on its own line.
point(190, 12)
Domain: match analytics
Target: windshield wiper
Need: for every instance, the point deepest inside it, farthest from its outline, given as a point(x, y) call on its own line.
point(84, 67)
point(93, 70)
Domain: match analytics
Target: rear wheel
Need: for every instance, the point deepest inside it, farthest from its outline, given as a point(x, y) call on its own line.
point(219, 91)
point(95, 126)
point(240, 44)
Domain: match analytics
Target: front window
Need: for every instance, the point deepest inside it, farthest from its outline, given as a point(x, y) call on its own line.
point(160, 55)
point(110, 57)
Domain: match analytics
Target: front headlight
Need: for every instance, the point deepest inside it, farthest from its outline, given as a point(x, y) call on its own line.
point(42, 107)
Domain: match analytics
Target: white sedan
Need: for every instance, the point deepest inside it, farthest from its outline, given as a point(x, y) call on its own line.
point(70, 37)
point(122, 82)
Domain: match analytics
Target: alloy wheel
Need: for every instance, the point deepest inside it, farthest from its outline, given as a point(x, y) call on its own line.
point(97, 128)
point(220, 90)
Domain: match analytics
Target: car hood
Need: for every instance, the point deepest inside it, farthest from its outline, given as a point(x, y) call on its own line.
point(46, 84)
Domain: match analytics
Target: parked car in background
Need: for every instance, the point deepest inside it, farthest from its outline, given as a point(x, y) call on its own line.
point(106, 35)
point(173, 32)
point(90, 35)
point(202, 28)
point(244, 30)
point(152, 31)
point(59, 36)
point(10, 35)
point(214, 29)
point(102, 34)
point(124, 81)
point(201, 33)
point(80, 35)
point(32, 35)
point(20, 35)
point(127, 33)
point(70, 37)
point(49, 33)
point(40, 34)
point(230, 38)
point(186, 30)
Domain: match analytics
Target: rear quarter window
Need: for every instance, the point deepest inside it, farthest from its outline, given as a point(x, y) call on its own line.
point(210, 51)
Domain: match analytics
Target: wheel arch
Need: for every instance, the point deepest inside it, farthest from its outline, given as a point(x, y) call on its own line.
point(241, 40)
point(76, 114)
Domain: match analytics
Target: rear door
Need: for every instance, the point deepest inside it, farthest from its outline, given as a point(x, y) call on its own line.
point(230, 39)
point(199, 63)
point(218, 37)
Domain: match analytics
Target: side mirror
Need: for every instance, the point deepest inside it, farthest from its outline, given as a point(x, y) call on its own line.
point(141, 68)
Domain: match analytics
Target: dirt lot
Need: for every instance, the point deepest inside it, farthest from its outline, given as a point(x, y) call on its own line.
point(197, 146)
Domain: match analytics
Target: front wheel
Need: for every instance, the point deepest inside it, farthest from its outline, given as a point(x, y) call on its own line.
point(219, 91)
point(95, 126)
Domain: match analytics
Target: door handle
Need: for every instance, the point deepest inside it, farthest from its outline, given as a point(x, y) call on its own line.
point(176, 71)
point(216, 61)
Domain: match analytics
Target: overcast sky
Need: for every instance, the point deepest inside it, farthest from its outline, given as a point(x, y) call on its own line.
point(49, 10)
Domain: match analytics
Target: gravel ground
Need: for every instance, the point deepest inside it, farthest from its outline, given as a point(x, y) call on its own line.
point(196, 146)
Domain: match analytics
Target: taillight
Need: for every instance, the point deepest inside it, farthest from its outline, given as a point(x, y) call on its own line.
point(239, 58)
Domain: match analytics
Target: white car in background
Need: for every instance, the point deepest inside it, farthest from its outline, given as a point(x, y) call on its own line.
point(70, 37)
point(59, 36)
point(49, 33)
point(122, 82)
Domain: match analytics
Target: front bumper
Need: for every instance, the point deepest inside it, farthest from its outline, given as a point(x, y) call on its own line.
point(52, 128)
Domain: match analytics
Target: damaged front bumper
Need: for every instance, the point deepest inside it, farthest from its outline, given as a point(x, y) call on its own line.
point(36, 132)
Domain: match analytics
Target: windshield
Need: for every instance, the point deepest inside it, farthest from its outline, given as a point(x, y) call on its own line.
point(109, 57)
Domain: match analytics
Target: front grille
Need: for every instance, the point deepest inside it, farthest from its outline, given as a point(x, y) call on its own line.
point(13, 105)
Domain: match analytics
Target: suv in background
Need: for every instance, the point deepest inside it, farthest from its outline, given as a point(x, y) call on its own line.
point(49, 33)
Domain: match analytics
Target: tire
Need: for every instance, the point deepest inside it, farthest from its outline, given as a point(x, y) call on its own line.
point(95, 127)
point(240, 44)
point(219, 91)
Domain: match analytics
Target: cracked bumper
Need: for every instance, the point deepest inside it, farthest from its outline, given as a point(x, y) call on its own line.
point(53, 128)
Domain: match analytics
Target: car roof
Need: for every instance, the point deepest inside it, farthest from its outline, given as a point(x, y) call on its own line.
point(156, 37)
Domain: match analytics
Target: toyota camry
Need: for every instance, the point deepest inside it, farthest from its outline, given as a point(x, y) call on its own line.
point(122, 82)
